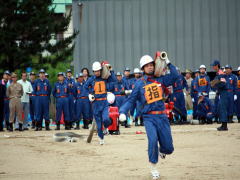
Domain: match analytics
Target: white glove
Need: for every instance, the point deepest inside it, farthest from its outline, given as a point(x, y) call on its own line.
point(235, 97)
point(127, 92)
point(223, 80)
point(192, 99)
point(91, 97)
point(122, 117)
point(167, 61)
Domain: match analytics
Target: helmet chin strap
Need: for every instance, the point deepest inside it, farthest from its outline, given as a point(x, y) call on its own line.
point(150, 74)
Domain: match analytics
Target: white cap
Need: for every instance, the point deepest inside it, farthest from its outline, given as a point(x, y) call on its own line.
point(239, 68)
point(202, 66)
point(96, 66)
point(110, 98)
point(146, 59)
point(136, 70)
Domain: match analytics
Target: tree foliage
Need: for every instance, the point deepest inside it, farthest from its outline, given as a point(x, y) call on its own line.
point(26, 30)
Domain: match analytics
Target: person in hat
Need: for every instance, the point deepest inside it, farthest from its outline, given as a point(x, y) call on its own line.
point(82, 104)
point(6, 81)
point(149, 91)
point(46, 75)
point(70, 82)
point(219, 70)
point(237, 101)
point(194, 93)
point(127, 82)
point(61, 93)
point(86, 75)
point(188, 98)
point(205, 109)
point(27, 89)
point(178, 98)
point(137, 75)
point(2, 96)
point(42, 89)
point(33, 100)
point(97, 89)
point(203, 81)
point(15, 92)
point(231, 87)
point(119, 90)
point(222, 96)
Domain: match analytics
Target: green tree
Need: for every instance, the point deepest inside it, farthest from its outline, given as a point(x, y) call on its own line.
point(26, 30)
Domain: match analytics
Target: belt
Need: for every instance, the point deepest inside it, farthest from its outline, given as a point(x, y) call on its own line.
point(42, 95)
point(100, 99)
point(14, 97)
point(178, 91)
point(156, 112)
point(82, 98)
point(62, 96)
point(32, 95)
point(120, 95)
point(229, 90)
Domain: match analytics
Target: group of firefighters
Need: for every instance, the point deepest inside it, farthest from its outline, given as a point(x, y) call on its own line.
point(142, 97)
point(74, 103)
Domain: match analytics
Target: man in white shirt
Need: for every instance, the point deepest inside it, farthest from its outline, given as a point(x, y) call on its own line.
point(27, 89)
point(188, 98)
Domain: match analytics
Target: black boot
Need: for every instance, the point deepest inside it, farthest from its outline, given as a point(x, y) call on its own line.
point(126, 125)
point(58, 126)
point(20, 127)
point(7, 125)
point(85, 123)
point(33, 124)
point(136, 122)
point(209, 121)
point(67, 126)
point(223, 127)
point(47, 126)
point(10, 128)
point(202, 120)
point(230, 119)
point(184, 119)
point(36, 126)
point(141, 121)
point(70, 125)
point(40, 125)
point(77, 125)
point(1, 126)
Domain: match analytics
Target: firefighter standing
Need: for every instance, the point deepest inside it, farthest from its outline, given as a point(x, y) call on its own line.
point(82, 104)
point(42, 89)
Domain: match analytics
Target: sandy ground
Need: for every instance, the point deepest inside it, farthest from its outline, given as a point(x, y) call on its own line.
point(200, 153)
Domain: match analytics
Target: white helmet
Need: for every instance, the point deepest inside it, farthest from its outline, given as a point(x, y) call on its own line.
point(110, 98)
point(146, 59)
point(136, 70)
point(239, 68)
point(96, 66)
point(202, 66)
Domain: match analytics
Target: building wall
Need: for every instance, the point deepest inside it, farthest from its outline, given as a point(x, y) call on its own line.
point(193, 32)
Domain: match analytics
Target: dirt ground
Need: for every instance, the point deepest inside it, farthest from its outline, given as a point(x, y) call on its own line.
point(200, 153)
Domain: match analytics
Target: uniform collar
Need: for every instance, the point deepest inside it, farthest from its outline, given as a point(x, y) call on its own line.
point(146, 77)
